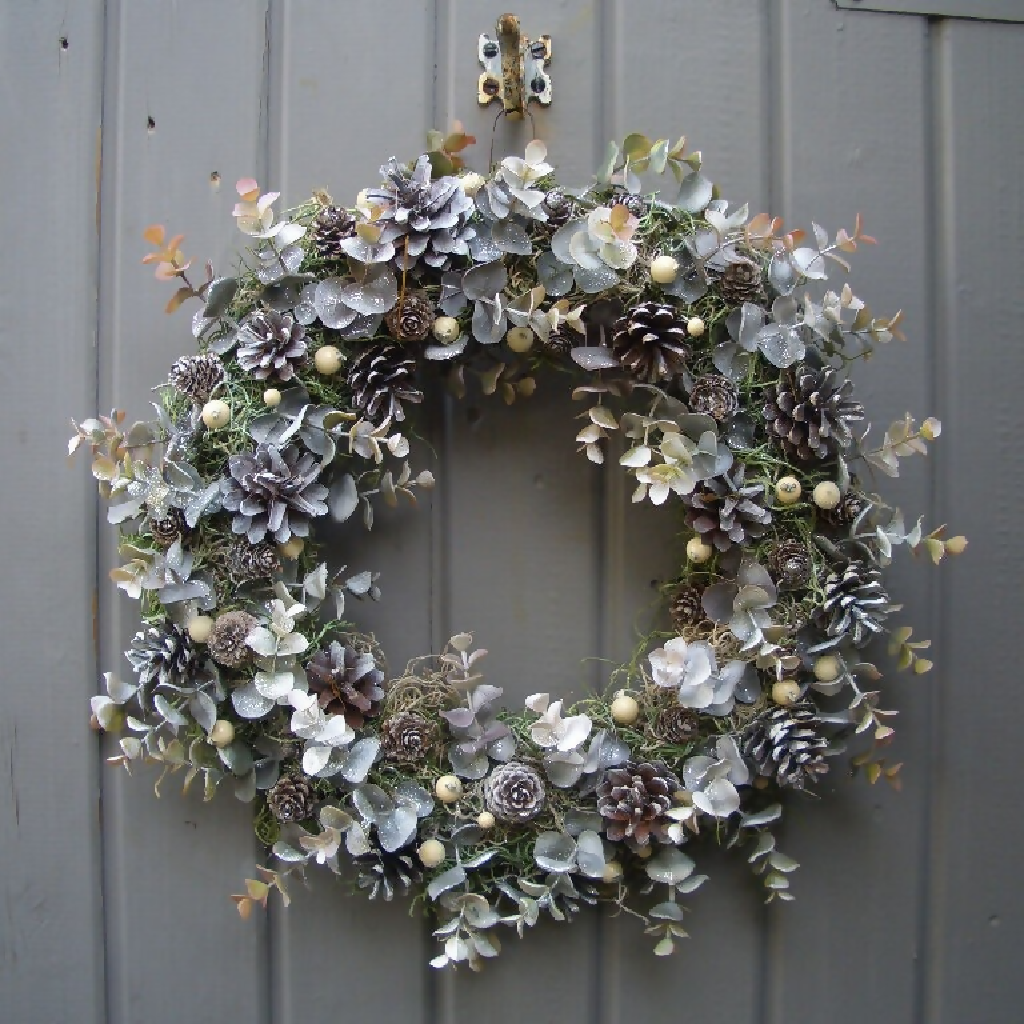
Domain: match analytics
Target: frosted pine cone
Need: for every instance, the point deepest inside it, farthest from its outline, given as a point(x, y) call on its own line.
point(514, 792)
point(633, 800)
point(346, 682)
point(291, 798)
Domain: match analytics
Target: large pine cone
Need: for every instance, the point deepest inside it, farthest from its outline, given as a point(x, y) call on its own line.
point(715, 396)
point(196, 376)
point(741, 282)
point(408, 737)
point(273, 490)
point(291, 798)
point(789, 563)
point(332, 225)
point(381, 379)
point(650, 341)
point(809, 413)
point(163, 655)
point(271, 345)
point(346, 683)
point(514, 792)
point(382, 872)
point(412, 318)
point(226, 643)
point(725, 510)
point(633, 800)
point(785, 745)
point(856, 604)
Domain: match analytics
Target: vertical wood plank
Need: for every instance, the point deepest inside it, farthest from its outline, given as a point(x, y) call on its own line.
point(849, 134)
point(523, 509)
point(182, 123)
point(976, 914)
point(352, 85)
point(51, 935)
point(704, 66)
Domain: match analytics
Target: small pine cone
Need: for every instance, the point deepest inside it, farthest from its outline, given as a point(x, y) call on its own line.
point(514, 792)
point(248, 562)
point(558, 206)
point(227, 639)
point(650, 341)
point(846, 511)
point(196, 376)
point(790, 564)
point(715, 396)
point(633, 800)
point(677, 725)
point(271, 345)
point(855, 605)
point(809, 413)
point(636, 204)
point(562, 340)
point(686, 609)
point(168, 528)
point(785, 745)
point(408, 737)
point(346, 682)
point(412, 317)
point(291, 798)
point(332, 225)
point(741, 282)
point(381, 378)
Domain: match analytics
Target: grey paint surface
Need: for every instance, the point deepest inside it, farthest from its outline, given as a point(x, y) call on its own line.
point(908, 905)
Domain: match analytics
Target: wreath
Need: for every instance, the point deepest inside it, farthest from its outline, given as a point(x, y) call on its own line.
point(705, 341)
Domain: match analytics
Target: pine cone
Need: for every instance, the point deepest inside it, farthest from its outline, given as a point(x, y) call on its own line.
point(785, 745)
point(726, 511)
point(381, 379)
point(650, 342)
point(271, 344)
point(425, 220)
point(514, 792)
point(412, 318)
point(809, 413)
point(291, 798)
point(227, 639)
point(163, 655)
point(741, 282)
point(331, 226)
point(633, 800)
point(273, 490)
point(346, 683)
point(197, 376)
point(636, 204)
point(408, 737)
point(562, 340)
point(677, 725)
point(855, 605)
point(248, 562)
point(166, 529)
point(789, 564)
point(715, 396)
point(686, 608)
point(846, 511)
point(558, 206)
point(382, 872)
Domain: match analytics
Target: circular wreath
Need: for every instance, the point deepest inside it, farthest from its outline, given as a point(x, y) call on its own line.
point(702, 337)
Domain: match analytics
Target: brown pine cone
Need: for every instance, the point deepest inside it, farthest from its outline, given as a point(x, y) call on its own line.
point(412, 317)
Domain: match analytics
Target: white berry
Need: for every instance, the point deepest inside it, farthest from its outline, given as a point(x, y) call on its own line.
point(826, 668)
point(826, 495)
point(519, 339)
point(272, 398)
point(664, 269)
point(223, 733)
point(216, 414)
point(327, 360)
point(431, 853)
point(695, 327)
point(786, 692)
point(446, 329)
point(697, 551)
point(612, 871)
point(199, 628)
point(625, 709)
point(788, 490)
point(472, 183)
point(292, 547)
point(485, 819)
point(448, 789)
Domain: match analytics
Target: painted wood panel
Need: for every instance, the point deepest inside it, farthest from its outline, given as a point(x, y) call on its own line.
point(907, 908)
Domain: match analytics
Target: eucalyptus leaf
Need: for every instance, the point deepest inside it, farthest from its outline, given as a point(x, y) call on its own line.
point(343, 497)
point(448, 880)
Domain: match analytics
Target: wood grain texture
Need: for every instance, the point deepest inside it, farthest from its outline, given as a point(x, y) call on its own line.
point(51, 60)
point(182, 104)
point(850, 137)
point(976, 912)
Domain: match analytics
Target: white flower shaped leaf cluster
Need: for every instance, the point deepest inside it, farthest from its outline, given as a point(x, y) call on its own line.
point(551, 730)
point(597, 246)
point(743, 605)
point(691, 669)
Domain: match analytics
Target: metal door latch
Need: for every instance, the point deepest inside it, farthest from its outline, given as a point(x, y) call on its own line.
point(514, 68)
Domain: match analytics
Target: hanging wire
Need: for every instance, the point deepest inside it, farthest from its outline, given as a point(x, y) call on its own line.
point(494, 129)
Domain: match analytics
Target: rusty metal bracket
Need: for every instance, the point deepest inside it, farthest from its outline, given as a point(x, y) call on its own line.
point(514, 68)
